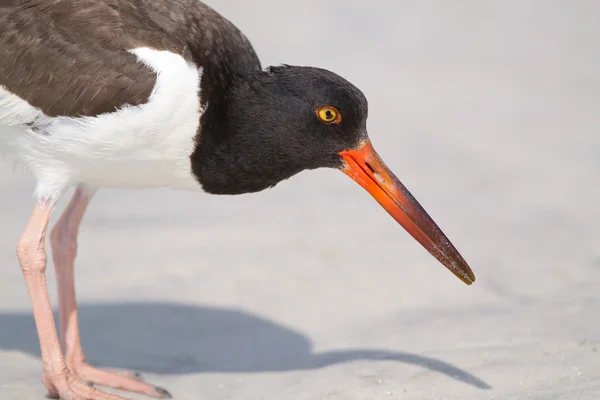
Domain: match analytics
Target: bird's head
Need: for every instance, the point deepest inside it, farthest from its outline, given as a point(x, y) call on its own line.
point(273, 124)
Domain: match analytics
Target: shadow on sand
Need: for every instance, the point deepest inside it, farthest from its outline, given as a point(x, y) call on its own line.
point(179, 339)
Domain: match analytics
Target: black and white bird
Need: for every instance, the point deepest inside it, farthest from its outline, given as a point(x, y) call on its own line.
point(163, 93)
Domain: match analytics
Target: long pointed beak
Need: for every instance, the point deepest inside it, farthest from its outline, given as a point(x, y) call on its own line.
point(368, 170)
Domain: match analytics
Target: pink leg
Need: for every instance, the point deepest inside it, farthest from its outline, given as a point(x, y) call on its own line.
point(64, 250)
point(32, 257)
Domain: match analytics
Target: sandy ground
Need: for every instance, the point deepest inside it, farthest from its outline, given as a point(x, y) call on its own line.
point(488, 112)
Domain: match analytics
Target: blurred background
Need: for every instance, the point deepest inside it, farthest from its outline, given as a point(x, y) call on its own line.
point(487, 111)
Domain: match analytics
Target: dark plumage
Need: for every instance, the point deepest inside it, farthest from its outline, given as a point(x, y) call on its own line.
point(68, 57)
point(267, 130)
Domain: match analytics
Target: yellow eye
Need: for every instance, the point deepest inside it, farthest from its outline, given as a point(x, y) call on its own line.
point(329, 115)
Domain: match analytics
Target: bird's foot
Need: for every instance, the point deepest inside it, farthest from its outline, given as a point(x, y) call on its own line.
point(65, 386)
point(122, 381)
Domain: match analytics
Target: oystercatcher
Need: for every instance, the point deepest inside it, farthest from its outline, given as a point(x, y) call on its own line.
point(163, 93)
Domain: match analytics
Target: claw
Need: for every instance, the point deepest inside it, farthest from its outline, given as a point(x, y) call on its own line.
point(163, 392)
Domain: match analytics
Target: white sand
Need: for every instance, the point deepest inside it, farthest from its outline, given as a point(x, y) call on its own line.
point(488, 113)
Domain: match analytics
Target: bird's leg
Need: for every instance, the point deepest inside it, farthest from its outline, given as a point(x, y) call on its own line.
point(63, 239)
point(64, 250)
point(32, 257)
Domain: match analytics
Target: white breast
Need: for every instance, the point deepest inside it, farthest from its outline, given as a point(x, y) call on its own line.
point(141, 146)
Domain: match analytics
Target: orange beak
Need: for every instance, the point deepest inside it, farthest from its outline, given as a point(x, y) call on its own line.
point(368, 170)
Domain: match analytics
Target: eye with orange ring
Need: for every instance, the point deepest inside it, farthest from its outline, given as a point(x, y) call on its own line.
point(329, 115)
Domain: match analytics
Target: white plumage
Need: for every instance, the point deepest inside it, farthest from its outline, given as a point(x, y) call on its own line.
point(143, 146)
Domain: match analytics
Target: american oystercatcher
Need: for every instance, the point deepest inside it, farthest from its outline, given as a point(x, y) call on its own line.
point(163, 93)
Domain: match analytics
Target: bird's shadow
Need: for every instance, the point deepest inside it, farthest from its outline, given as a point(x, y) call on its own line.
point(172, 338)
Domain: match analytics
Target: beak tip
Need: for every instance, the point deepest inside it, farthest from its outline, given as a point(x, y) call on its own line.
point(467, 276)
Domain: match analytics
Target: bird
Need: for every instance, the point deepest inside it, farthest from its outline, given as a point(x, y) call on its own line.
point(142, 94)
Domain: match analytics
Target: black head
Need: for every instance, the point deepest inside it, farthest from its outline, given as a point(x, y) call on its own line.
point(272, 124)
point(275, 123)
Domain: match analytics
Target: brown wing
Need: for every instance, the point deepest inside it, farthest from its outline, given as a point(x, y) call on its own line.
point(69, 57)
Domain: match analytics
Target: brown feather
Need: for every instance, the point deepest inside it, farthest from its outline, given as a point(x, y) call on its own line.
point(69, 57)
